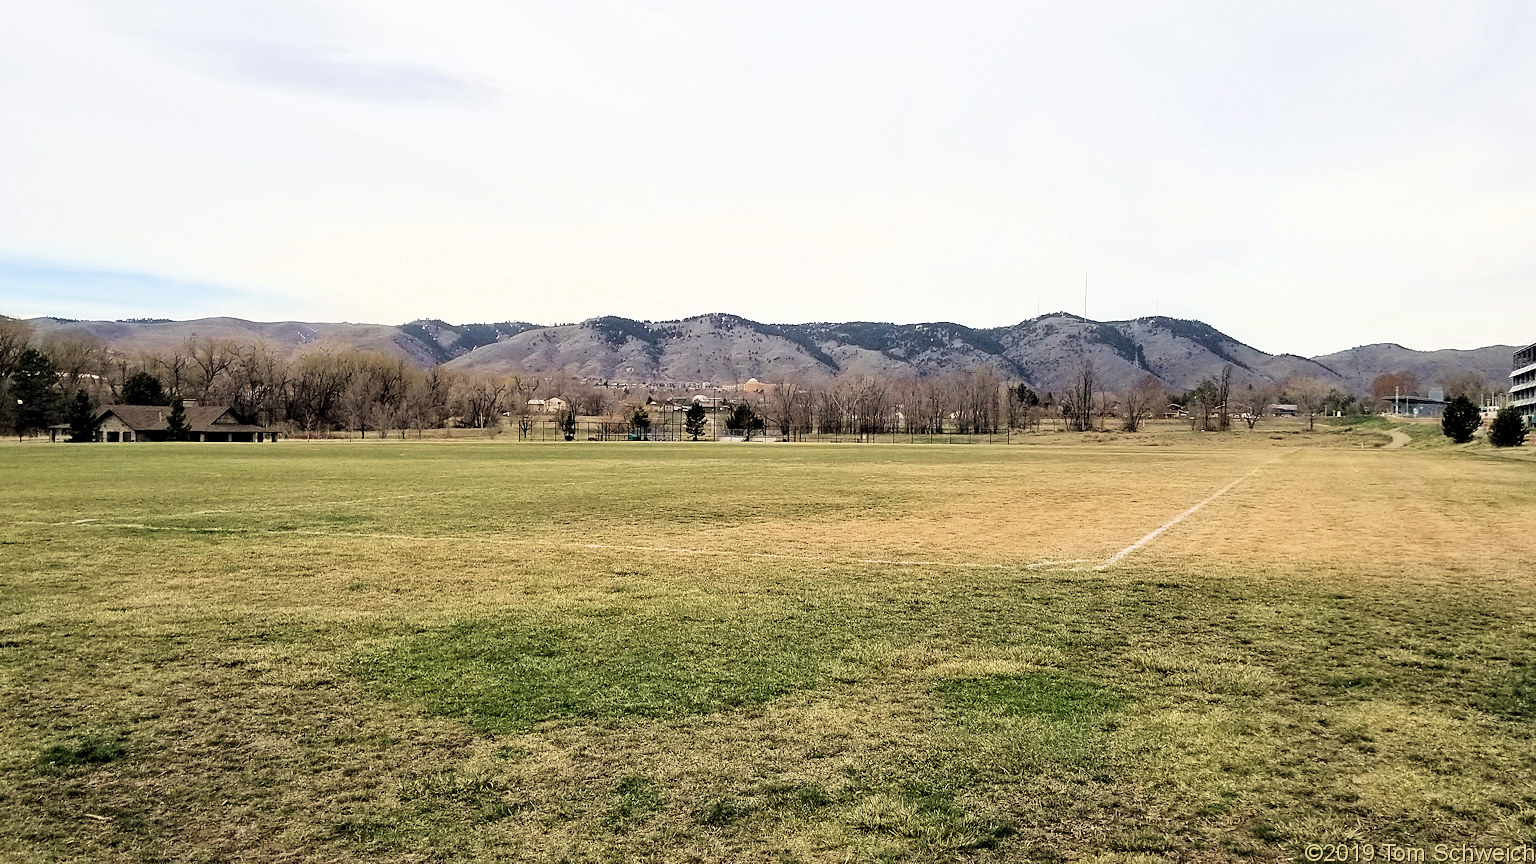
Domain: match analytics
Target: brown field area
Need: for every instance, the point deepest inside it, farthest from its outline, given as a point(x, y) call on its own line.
point(479, 650)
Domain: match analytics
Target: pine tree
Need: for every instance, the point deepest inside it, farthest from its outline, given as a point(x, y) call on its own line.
point(143, 388)
point(640, 422)
point(694, 420)
point(1508, 429)
point(82, 418)
point(176, 428)
point(34, 392)
point(743, 421)
point(1460, 420)
point(568, 425)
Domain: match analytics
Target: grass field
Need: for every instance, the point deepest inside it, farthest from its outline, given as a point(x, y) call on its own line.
point(477, 650)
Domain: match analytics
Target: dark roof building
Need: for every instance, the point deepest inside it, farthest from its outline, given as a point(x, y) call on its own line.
point(119, 423)
point(1418, 406)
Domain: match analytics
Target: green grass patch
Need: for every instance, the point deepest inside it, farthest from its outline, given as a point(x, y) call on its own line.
point(1036, 722)
point(927, 820)
point(1044, 695)
point(1520, 699)
point(506, 674)
point(635, 797)
point(89, 749)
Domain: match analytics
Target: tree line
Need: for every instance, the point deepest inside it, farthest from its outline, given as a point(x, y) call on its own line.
point(328, 389)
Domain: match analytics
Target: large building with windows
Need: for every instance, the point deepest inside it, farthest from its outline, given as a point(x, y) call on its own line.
point(1522, 384)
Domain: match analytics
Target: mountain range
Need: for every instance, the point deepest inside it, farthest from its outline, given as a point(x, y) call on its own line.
point(723, 348)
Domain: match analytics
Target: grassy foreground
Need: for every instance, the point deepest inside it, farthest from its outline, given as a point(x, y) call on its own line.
point(640, 652)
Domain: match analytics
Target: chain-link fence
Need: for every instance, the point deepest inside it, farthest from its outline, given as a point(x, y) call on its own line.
point(674, 428)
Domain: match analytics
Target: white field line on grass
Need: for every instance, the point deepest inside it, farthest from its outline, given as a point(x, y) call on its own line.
point(513, 541)
point(1158, 532)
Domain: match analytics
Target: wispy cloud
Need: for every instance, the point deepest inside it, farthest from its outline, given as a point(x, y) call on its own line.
point(326, 72)
point(31, 288)
point(288, 47)
point(1306, 175)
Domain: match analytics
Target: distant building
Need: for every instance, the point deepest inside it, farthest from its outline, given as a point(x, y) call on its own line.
point(1522, 384)
point(1283, 410)
point(125, 423)
point(1418, 406)
point(556, 405)
point(751, 385)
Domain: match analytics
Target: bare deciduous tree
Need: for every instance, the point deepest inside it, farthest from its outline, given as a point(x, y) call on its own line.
point(976, 401)
point(427, 399)
point(75, 356)
point(14, 336)
point(209, 360)
point(319, 379)
point(257, 380)
point(1139, 402)
point(1077, 400)
point(478, 400)
point(1393, 384)
point(1201, 404)
point(173, 372)
point(787, 408)
point(1310, 395)
point(1254, 402)
point(1224, 399)
point(1472, 384)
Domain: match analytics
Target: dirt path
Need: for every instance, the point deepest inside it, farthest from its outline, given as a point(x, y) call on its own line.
point(1399, 438)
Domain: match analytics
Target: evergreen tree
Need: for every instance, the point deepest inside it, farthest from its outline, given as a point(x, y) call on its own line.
point(693, 421)
point(1460, 420)
point(82, 418)
point(743, 421)
point(176, 428)
point(1508, 429)
point(568, 425)
point(143, 388)
point(640, 422)
point(34, 393)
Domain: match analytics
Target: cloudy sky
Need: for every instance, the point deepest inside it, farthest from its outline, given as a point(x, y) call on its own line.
point(1304, 176)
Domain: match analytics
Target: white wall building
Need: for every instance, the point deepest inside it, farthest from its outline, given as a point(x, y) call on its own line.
point(1522, 384)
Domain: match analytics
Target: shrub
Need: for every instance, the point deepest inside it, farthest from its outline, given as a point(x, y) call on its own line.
point(1461, 420)
point(1508, 429)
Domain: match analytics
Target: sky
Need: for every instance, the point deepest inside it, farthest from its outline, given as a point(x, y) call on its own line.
point(1306, 177)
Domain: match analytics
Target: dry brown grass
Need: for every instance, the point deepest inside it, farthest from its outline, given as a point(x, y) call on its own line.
point(414, 652)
